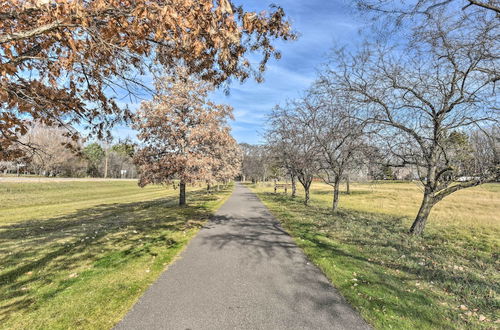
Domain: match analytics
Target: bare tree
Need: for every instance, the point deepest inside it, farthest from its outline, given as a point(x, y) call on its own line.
point(49, 153)
point(293, 143)
point(485, 144)
point(419, 95)
point(255, 162)
point(337, 130)
point(408, 8)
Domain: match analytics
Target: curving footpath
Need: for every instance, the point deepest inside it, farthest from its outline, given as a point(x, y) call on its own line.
point(242, 271)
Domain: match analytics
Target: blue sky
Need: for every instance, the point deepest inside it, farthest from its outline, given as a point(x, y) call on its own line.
point(321, 25)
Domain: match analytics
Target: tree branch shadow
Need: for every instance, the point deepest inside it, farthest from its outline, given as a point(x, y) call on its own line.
point(381, 242)
point(33, 253)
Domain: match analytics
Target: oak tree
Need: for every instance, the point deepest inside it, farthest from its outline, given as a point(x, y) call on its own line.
point(179, 129)
point(226, 159)
point(65, 62)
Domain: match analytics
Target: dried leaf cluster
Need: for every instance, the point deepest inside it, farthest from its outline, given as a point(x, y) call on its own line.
point(63, 62)
point(185, 136)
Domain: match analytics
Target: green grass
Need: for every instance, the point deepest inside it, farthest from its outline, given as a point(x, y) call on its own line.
point(449, 278)
point(79, 254)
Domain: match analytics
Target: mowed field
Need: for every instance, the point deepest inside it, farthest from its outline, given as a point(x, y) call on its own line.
point(78, 254)
point(475, 208)
point(449, 278)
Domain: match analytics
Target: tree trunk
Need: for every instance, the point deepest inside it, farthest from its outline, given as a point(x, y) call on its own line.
point(348, 184)
point(182, 193)
point(208, 187)
point(294, 186)
point(417, 228)
point(306, 199)
point(336, 187)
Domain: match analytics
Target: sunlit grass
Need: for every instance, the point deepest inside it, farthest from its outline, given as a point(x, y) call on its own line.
point(476, 207)
point(447, 279)
point(79, 254)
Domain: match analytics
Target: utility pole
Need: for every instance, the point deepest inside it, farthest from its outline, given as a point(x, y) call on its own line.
point(106, 158)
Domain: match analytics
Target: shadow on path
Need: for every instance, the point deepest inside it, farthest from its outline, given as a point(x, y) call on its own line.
point(242, 271)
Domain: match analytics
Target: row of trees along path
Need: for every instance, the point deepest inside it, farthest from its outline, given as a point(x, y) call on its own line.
point(429, 104)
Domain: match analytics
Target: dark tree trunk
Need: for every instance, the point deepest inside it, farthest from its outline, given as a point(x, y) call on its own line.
point(294, 186)
point(305, 181)
point(348, 185)
point(208, 187)
point(336, 187)
point(417, 228)
point(182, 193)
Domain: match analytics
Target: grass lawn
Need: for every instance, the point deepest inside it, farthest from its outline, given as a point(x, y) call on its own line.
point(449, 278)
point(79, 254)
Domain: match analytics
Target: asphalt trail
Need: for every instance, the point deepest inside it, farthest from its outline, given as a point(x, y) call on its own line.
point(242, 271)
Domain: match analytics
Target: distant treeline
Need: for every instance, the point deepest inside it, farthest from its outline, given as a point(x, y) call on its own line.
point(56, 155)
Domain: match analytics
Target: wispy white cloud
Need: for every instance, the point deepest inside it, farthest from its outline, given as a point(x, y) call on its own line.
point(321, 25)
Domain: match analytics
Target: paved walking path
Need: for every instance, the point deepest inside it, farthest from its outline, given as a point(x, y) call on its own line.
point(242, 271)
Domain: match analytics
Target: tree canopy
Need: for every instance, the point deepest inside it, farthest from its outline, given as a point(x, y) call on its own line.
point(65, 62)
point(185, 136)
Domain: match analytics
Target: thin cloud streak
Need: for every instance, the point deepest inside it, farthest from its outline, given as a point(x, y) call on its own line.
point(321, 25)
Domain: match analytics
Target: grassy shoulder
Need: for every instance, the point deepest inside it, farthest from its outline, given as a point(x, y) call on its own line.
point(79, 254)
point(449, 278)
